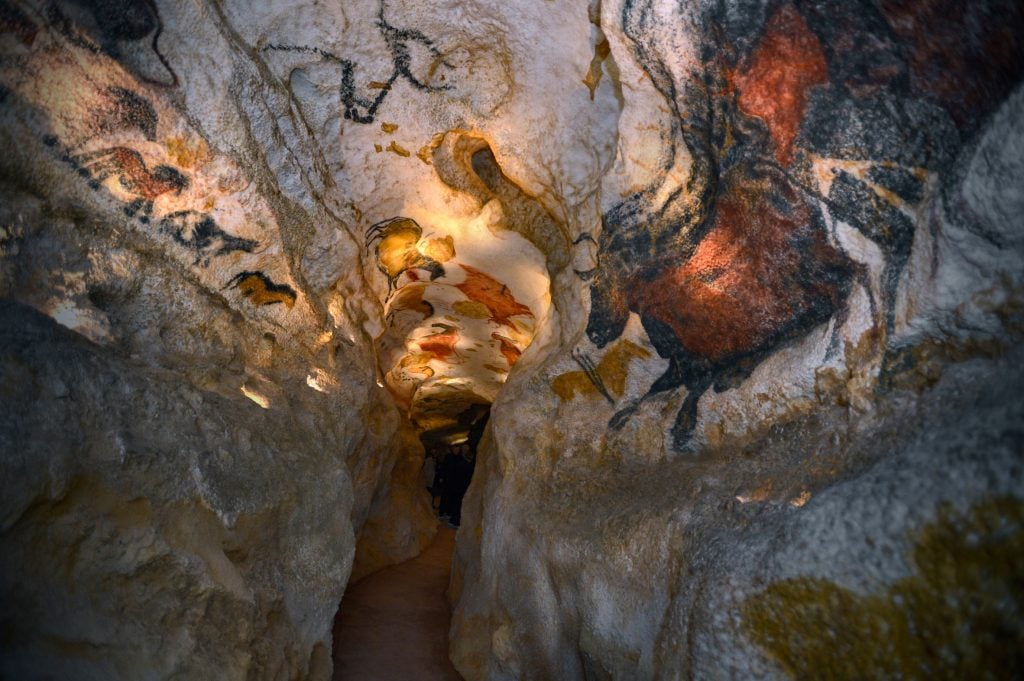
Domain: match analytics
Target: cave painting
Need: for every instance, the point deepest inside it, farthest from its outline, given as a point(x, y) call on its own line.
point(361, 102)
point(134, 177)
point(818, 107)
point(260, 290)
point(450, 327)
point(606, 379)
point(200, 233)
point(120, 138)
point(398, 250)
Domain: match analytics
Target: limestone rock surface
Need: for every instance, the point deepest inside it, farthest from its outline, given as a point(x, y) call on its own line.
point(742, 282)
point(774, 436)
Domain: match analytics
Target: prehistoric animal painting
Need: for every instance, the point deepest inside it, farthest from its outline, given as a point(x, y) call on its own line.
point(509, 351)
point(740, 261)
point(133, 175)
point(493, 295)
point(260, 290)
point(441, 344)
point(200, 233)
point(606, 379)
point(409, 299)
point(126, 110)
point(397, 251)
point(362, 106)
point(451, 329)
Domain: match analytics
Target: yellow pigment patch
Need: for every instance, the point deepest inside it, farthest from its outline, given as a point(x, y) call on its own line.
point(187, 155)
point(613, 370)
point(471, 309)
point(396, 148)
point(441, 250)
point(957, 617)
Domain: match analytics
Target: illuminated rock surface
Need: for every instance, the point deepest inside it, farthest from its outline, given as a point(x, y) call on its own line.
point(742, 281)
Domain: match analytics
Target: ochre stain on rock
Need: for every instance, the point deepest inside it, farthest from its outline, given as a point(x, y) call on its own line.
point(613, 370)
point(410, 298)
point(493, 294)
point(471, 309)
point(441, 250)
point(188, 155)
point(417, 364)
point(396, 148)
point(958, 617)
point(782, 68)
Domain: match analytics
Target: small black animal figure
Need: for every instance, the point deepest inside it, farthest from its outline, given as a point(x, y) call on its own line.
point(200, 233)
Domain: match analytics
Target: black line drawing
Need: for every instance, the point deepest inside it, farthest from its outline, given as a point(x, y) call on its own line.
point(363, 108)
point(587, 364)
point(200, 233)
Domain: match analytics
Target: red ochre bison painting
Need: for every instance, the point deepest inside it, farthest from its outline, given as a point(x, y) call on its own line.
point(724, 273)
point(128, 166)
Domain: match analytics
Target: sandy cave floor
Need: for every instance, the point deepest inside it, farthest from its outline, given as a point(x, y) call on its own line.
point(393, 624)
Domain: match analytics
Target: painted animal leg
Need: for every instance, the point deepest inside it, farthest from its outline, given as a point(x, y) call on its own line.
point(683, 368)
point(686, 417)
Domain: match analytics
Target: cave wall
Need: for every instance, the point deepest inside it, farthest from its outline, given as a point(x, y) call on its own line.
point(743, 280)
point(779, 441)
point(193, 433)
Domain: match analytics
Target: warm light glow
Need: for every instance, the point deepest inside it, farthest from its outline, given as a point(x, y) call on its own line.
point(324, 338)
point(799, 501)
point(320, 380)
point(256, 397)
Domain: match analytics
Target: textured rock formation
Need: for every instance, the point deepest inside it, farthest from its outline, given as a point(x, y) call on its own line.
point(182, 490)
point(742, 281)
point(784, 441)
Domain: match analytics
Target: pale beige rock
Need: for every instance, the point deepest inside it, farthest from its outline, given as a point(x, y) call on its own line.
point(266, 237)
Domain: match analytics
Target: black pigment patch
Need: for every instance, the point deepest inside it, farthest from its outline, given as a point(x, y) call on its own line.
point(129, 110)
point(908, 132)
point(200, 233)
point(899, 181)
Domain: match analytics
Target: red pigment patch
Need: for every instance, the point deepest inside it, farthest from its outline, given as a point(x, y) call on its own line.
point(440, 345)
point(508, 350)
point(751, 278)
point(783, 66)
point(493, 294)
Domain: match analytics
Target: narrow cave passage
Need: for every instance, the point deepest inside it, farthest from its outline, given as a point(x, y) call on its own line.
point(394, 623)
point(462, 297)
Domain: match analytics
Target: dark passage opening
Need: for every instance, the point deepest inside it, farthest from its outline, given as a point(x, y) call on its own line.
point(450, 461)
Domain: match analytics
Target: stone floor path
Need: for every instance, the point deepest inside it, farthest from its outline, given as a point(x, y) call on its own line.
point(393, 624)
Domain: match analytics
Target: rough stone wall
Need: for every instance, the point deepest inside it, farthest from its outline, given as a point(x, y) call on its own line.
point(749, 273)
point(781, 440)
point(184, 476)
